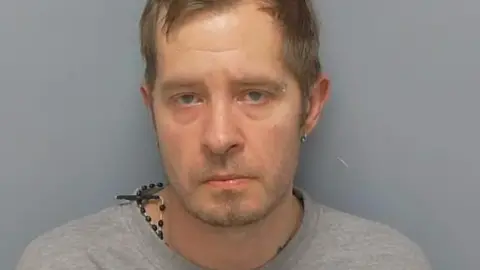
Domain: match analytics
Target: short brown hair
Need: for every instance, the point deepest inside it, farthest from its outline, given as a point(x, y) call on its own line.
point(296, 19)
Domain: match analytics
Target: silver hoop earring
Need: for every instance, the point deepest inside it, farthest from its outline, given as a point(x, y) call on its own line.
point(303, 139)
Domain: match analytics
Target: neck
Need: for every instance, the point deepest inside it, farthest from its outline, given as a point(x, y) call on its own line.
point(246, 247)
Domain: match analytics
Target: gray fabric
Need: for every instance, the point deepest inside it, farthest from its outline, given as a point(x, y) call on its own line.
point(119, 238)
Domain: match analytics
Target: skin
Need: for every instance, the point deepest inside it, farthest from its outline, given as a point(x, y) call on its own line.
point(223, 103)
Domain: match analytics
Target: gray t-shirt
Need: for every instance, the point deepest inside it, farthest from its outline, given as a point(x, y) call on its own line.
point(119, 238)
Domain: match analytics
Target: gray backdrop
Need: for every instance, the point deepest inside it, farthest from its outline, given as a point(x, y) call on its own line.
point(398, 142)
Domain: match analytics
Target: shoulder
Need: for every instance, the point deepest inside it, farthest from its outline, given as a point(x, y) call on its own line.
point(358, 243)
point(70, 246)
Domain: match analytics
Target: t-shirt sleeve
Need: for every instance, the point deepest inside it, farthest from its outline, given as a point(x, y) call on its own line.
point(46, 253)
point(397, 252)
point(356, 243)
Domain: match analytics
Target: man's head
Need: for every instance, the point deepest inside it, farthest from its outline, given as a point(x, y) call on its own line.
point(232, 86)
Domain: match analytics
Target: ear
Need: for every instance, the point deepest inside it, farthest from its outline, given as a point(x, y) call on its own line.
point(146, 94)
point(319, 95)
point(148, 101)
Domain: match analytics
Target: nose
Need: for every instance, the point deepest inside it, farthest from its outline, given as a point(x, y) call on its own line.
point(221, 132)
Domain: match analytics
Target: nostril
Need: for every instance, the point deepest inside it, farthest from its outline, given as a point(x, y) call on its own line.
point(223, 145)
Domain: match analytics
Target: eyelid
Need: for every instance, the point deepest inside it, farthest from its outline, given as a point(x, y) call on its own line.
point(264, 98)
point(245, 93)
point(260, 90)
point(182, 93)
point(176, 98)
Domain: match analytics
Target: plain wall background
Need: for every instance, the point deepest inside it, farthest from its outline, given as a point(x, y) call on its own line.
point(398, 142)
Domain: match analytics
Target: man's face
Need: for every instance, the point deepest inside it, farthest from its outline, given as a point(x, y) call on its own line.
point(227, 115)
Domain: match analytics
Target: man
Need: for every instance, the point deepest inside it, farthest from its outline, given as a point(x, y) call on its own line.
point(233, 87)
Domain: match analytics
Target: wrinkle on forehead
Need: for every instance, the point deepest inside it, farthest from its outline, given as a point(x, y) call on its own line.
point(240, 39)
point(244, 25)
point(211, 50)
point(202, 36)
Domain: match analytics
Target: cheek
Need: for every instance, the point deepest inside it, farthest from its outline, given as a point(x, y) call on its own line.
point(175, 148)
point(168, 132)
point(173, 145)
point(176, 158)
point(282, 125)
point(284, 153)
point(275, 141)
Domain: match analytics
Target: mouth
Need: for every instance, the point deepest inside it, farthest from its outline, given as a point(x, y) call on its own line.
point(228, 181)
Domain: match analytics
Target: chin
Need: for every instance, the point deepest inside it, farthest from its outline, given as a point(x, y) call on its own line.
point(229, 207)
point(226, 216)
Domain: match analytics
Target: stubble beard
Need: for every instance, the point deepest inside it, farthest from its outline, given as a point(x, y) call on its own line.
point(229, 208)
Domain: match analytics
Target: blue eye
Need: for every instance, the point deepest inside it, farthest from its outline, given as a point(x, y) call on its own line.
point(255, 96)
point(187, 99)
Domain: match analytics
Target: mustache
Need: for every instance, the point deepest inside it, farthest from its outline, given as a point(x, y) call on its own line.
point(233, 169)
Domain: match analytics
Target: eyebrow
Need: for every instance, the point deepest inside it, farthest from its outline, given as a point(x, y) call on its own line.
point(241, 82)
point(179, 83)
point(259, 81)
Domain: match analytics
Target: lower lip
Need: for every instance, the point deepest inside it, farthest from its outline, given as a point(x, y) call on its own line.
point(233, 183)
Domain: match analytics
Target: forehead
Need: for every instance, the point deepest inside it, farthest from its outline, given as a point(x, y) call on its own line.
point(239, 42)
